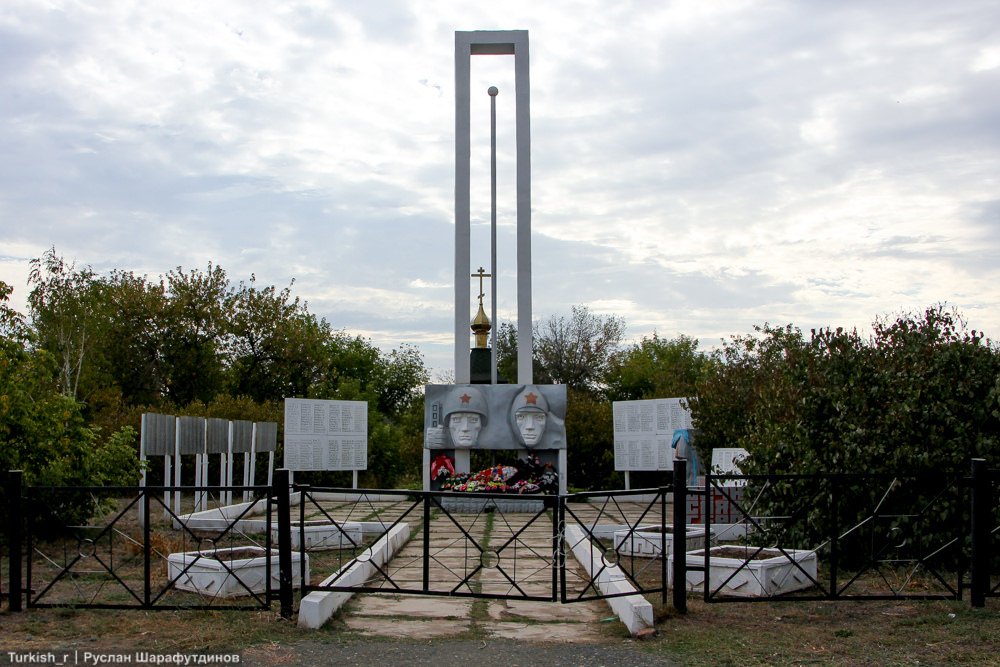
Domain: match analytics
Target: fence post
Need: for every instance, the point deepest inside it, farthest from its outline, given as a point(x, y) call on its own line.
point(15, 519)
point(834, 535)
point(706, 521)
point(281, 491)
point(981, 511)
point(560, 548)
point(680, 536)
point(556, 501)
point(147, 550)
point(425, 562)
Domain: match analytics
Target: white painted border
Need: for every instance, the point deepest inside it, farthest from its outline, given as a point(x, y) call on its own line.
point(634, 610)
point(316, 608)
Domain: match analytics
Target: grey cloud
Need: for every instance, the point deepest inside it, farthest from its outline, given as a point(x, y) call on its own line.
point(652, 129)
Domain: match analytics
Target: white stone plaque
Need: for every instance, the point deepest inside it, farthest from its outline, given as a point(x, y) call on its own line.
point(644, 432)
point(326, 435)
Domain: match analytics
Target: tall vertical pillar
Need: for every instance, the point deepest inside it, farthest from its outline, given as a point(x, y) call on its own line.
point(468, 44)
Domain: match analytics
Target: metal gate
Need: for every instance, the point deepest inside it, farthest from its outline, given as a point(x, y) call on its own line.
point(429, 543)
point(568, 548)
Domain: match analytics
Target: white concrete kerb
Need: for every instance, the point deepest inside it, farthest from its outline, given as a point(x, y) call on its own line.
point(634, 610)
point(317, 607)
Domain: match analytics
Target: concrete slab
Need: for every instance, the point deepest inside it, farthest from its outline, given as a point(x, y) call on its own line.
point(381, 627)
point(570, 633)
point(417, 607)
point(521, 610)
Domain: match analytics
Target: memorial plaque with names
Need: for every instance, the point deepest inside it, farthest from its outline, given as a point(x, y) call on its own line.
point(158, 434)
point(644, 431)
point(326, 435)
point(242, 436)
point(191, 435)
point(266, 437)
point(217, 436)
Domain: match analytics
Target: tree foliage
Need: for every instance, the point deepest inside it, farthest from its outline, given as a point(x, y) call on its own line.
point(918, 397)
point(66, 309)
point(191, 342)
point(921, 393)
point(589, 433)
point(130, 358)
point(274, 346)
point(655, 368)
point(43, 431)
point(576, 351)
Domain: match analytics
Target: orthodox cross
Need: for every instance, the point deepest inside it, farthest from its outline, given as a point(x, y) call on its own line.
point(481, 273)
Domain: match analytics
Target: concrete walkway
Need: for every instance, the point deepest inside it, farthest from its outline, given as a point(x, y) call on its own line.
point(516, 562)
point(427, 617)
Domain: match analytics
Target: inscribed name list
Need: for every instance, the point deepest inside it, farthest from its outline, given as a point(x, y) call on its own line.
point(644, 432)
point(326, 435)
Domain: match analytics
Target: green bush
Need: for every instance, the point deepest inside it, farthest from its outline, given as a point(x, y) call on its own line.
point(918, 397)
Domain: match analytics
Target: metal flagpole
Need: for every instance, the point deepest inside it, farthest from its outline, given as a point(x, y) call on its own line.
point(493, 92)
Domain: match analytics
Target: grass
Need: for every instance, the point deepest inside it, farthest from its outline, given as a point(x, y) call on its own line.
point(841, 633)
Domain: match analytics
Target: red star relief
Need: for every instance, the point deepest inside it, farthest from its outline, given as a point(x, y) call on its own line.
point(531, 398)
point(465, 398)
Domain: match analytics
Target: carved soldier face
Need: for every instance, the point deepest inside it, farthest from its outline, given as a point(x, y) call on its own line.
point(465, 427)
point(531, 425)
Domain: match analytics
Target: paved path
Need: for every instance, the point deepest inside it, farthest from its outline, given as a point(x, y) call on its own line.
point(498, 553)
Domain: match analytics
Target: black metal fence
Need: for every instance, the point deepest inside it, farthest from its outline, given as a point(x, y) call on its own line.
point(145, 553)
point(985, 533)
point(848, 536)
point(127, 547)
point(788, 537)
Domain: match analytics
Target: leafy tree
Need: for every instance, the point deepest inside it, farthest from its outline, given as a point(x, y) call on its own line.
point(747, 394)
point(274, 346)
point(193, 336)
point(354, 369)
point(920, 396)
point(399, 377)
point(132, 339)
point(12, 326)
point(411, 441)
point(507, 354)
point(576, 351)
point(590, 434)
point(43, 432)
point(655, 368)
point(65, 306)
point(191, 342)
point(349, 365)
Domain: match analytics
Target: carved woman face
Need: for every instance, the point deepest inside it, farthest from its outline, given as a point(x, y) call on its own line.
point(465, 427)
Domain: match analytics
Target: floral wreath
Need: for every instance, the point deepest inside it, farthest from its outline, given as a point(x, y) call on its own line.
point(443, 467)
point(526, 476)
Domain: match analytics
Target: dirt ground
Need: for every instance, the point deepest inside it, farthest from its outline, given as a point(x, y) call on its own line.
point(828, 633)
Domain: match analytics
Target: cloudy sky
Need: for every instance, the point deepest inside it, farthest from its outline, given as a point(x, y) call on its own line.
point(698, 167)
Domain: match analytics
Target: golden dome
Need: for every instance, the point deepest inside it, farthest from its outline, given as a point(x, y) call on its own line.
point(481, 326)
